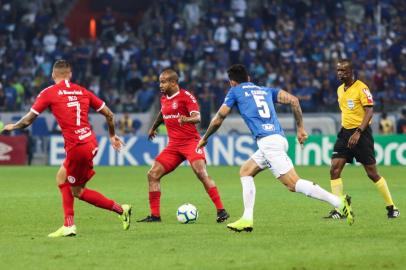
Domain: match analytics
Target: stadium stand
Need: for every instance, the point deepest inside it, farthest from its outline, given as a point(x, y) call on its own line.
point(286, 44)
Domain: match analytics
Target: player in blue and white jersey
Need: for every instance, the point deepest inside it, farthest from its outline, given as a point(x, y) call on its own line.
point(256, 106)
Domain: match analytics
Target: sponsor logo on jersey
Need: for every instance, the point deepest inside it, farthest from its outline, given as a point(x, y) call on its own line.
point(199, 151)
point(171, 116)
point(268, 127)
point(174, 105)
point(71, 179)
point(4, 149)
point(258, 92)
point(368, 94)
point(73, 92)
point(350, 104)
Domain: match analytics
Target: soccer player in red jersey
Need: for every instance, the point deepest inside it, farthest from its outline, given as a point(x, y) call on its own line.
point(70, 104)
point(180, 113)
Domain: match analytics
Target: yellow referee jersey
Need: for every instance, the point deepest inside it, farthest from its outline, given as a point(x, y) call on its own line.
point(352, 102)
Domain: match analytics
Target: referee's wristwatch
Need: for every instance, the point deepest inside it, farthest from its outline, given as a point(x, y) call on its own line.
point(359, 130)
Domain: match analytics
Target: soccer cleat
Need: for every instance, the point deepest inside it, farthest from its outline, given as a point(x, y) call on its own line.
point(241, 225)
point(346, 209)
point(63, 232)
point(393, 212)
point(222, 215)
point(125, 217)
point(334, 214)
point(150, 219)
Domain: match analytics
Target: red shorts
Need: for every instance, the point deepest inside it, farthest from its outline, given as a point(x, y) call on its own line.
point(79, 163)
point(175, 154)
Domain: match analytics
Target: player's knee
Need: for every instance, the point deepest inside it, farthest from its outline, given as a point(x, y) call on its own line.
point(244, 171)
point(153, 176)
point(334, 172)
point(76, 192)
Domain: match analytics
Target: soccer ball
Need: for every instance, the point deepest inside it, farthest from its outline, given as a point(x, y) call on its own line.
point(187, 213)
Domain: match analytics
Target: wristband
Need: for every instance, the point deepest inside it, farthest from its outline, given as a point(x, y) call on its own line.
point(359, 130)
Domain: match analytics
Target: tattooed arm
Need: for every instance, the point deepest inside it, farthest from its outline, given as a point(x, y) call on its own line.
point(215, 124)
point(24, 122)
point(286, 98)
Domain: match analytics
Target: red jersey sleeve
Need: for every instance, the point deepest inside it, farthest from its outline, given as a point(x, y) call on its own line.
point(41, 102)
point(191, 103)
point(95, 102)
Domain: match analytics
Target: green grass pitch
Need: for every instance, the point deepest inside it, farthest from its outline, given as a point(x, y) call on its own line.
point(289, 232)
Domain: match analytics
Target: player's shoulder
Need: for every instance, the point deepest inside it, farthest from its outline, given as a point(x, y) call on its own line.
point(361, 85)
point(185, 93)
point(47, 91)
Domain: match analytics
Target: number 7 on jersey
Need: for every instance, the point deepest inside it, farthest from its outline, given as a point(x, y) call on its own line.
point(77, 105)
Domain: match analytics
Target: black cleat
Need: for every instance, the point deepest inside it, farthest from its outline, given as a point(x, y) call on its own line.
point(150, 219)
point(222, 215)
point(334, 214)
point(392, 211)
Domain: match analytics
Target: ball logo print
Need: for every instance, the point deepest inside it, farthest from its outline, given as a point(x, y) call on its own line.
point(174, 105)
point(71, 179)
point(187, 213)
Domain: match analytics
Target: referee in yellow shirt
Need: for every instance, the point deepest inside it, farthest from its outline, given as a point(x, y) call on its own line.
point(355, 137)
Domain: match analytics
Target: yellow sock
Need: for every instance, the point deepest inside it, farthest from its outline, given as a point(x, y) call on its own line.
point(337, 186)
point(384, 190)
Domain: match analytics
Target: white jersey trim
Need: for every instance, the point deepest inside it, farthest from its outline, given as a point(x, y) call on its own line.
point(101, 107)
point(190, 113)
point(34, 111)
point(67, 83)
point(174, 95)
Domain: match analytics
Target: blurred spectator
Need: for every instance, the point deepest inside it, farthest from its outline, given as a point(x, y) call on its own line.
point(10, 96)
point(206, 103)
point(401, 124)
point(386, 125)
point(2, 98)
point(108, 25)
point(126, 124)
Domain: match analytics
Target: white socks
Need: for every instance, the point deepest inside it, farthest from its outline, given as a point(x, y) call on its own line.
point(248, 194)
point(315, 191)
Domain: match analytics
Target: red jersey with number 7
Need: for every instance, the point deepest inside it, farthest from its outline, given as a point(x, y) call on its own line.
point(180, 103)
point(70, 104)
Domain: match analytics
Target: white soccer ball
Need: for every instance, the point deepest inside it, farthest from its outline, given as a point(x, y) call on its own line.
point(187, 213)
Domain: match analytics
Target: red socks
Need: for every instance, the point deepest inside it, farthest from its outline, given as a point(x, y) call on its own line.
point(67, 204)
point(154, 203)
point(215, 197)
point(97, 199)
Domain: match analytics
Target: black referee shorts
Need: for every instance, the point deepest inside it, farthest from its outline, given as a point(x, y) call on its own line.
point(363, 151)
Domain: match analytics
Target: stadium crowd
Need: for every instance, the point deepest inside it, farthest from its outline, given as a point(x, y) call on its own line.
point(288, 44)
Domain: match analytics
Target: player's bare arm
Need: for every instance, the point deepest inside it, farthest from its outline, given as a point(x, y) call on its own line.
point(193, 119)
point(286, 98)
point(24, 122)
point(215, 124)
point(369, 112)
point(116, 142)
point(158, 121)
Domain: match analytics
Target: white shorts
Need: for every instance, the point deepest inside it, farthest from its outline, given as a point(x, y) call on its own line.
point(272, 152)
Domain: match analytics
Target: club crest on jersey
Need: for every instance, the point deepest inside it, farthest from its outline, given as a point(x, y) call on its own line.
point(350, 104)
point(71, 179)
point(174, 105)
